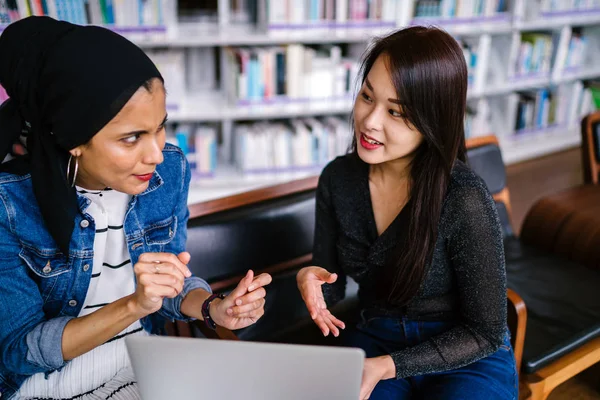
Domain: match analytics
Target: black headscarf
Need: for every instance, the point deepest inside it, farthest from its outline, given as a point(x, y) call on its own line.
point(65, 83)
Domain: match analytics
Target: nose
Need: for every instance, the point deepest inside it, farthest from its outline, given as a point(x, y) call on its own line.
point(373, 121)
point(153, 151)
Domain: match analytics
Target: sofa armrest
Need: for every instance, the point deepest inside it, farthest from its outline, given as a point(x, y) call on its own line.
point(517, 323)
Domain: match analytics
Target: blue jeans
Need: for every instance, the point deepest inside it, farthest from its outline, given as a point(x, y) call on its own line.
point(494, 377)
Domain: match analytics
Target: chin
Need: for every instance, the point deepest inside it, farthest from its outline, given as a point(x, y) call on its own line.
point(133, 189)
point(370, 157)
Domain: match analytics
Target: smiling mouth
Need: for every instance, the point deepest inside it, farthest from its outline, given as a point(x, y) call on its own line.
point(370, 141)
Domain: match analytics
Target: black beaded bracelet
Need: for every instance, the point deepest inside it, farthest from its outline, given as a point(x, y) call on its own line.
point(206, 310)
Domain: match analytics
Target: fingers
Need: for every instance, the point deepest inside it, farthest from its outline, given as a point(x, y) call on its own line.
point(260, 281)
point(238, 311)
point(184, 257)
point(166, 258)
point(163, 268)
point(251, 297)
point(157, 287)
point(324, 275)
point(322, 325)
point(167, 280)
point(335, 321)
point(242, 287)
point(328, 323)
point(254, 315)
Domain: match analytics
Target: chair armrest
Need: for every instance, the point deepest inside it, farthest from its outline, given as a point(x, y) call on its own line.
point(517, 323)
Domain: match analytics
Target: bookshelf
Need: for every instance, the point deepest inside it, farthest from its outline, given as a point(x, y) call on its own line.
point(193, 47)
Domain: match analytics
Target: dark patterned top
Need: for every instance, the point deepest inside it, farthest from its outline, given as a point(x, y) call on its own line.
point(465, 282)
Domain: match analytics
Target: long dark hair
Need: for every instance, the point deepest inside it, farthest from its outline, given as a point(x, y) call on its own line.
point(429, 72)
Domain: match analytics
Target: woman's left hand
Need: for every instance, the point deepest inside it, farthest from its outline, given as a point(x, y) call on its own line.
point(244, 305)
point(374, 370)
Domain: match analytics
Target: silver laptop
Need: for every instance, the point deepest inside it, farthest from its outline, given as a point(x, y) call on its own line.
point(183, 368)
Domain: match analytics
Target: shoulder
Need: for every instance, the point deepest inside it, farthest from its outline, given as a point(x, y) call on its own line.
point(467, 191)
point(174, 167)
point(15, 189)
point(173, 156)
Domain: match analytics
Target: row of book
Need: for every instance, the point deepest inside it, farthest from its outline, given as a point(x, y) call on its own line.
point(277, 14)
point(576, 52)
point(470, 54)
point(564, 106)
point(294, 72)
point(568, 5)
point(125, 13)
point(459, 8)
point(289, 146)
point(533, 55)
point(199, 144)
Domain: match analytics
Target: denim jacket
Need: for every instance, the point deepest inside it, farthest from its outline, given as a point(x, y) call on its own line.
point(41, 289)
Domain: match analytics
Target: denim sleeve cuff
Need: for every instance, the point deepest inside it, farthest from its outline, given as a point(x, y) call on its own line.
point(44, 344)
point(171, 308)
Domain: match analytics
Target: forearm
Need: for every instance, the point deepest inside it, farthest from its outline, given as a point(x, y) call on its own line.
point(86, 333)
point(191, 305)
point(455, 348)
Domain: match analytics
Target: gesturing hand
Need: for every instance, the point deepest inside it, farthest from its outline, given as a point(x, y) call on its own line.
point(244, 305)
point(310, 281)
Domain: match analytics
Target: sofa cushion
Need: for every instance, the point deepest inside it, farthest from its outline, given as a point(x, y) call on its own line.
point(563, 310)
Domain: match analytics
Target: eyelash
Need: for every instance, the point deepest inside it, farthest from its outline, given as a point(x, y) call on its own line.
point(393, 113)
point(128, 141)
point(137, 136)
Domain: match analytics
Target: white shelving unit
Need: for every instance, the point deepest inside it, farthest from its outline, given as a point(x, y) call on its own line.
point(491, 93)
point(214, 107)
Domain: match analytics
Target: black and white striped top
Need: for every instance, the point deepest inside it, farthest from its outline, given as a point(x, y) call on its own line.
point(105, 372)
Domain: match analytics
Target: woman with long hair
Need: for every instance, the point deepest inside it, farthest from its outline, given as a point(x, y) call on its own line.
point(405, 217)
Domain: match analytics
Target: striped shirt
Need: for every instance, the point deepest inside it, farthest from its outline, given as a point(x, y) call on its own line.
point(104, 372)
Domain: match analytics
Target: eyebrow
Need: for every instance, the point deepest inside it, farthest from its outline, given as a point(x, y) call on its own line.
point(141, 132)
point(395, 101)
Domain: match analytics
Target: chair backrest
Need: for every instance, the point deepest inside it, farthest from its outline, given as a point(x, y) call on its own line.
point(267, 230)
point(590, 147)
point(485, 158)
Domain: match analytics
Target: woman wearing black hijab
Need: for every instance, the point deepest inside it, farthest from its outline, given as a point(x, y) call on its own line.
point(93, 218)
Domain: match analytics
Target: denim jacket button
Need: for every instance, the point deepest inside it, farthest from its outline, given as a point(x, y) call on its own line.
point(47, 269)
point(72, 303)
point(84, 223)
point(86, 267)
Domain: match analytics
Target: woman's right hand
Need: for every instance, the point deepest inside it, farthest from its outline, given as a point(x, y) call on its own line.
point(158, 276)
point(310, 280)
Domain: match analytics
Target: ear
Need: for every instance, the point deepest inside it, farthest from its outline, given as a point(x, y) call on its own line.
point(76, 152)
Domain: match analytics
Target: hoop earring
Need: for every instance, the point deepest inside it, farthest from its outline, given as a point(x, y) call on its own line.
point(69, 170)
